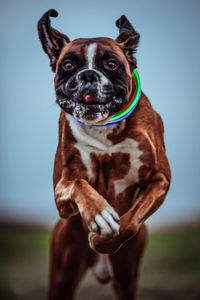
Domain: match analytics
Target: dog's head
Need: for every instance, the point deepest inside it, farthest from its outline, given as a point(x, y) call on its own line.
point(93, 78)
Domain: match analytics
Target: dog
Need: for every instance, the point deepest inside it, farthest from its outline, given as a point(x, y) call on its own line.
point(108, 178)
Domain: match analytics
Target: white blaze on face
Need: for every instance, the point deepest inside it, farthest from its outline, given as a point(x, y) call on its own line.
point(91, 53)
point(90, 58)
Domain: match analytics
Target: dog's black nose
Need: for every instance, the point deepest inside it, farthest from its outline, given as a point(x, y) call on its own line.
point(88, 76)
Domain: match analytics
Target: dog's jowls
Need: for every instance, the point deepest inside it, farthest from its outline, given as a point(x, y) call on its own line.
point(107, 179)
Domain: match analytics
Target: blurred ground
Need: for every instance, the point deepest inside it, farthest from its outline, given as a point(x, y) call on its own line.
point(170, 268)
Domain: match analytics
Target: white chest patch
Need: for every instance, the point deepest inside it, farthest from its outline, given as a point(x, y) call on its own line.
point(94, 139)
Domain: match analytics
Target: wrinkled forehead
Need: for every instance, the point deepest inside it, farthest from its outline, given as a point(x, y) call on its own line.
point(93, 47)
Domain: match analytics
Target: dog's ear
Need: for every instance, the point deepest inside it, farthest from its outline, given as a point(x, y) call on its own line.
point(128, 39)
point(52, 40)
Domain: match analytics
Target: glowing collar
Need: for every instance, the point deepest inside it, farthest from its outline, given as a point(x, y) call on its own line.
point(129, 108)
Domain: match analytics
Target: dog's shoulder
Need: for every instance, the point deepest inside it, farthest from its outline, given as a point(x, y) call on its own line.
point(146, 123)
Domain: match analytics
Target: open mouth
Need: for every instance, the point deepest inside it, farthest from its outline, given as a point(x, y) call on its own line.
point(90, 101)
point(89, 109)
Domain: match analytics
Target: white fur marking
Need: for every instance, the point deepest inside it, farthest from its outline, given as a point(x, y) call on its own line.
point(93, 227)
point(103, 225)
point(131, 147)
point(93, 139)
point(63, 193)
point(109, 219)
point(113, 213)
point(91, 52)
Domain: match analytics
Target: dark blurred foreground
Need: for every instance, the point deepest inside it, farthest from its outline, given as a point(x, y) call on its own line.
point(170, 268)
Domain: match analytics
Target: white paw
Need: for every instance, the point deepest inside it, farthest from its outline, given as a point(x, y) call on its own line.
point(106, 223)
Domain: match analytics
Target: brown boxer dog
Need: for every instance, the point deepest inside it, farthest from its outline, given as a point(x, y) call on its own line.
point(107, 179)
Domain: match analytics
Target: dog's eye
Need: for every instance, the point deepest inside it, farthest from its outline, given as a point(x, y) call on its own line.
point(67, 65)
point(112, 64)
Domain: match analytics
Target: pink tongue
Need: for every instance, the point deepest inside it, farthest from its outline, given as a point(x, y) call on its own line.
point(88, 98)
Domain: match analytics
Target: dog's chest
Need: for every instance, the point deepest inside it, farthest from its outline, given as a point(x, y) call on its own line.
point(118, 163)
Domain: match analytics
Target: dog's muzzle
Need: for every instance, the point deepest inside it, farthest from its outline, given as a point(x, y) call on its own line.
point(89, 96)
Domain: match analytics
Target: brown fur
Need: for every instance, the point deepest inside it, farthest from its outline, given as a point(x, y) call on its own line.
point(80, 198)
point(134, 205)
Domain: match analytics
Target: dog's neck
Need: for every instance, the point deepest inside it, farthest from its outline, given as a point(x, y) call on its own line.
point(97, 136)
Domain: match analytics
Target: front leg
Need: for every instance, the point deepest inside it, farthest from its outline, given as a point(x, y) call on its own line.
point(148, 201)
point(78, 196)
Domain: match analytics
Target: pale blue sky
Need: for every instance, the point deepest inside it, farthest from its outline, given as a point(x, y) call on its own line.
point(169, 67)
